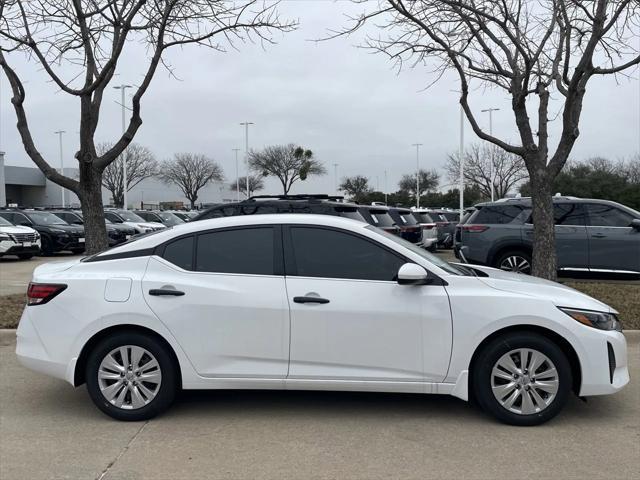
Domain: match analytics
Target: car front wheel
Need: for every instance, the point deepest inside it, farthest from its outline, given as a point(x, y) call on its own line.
point(522, 379)
point(131, 376)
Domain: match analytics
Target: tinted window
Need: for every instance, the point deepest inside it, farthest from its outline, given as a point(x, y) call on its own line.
point(381, 218)
point(496, 214)
point(403, 217)
point(424, 217)
point(568, 214)
point(350, 212)
point(601, 215)
point(332, 254)
point(245, 250)
point(180, 253)
point(113, 217)
point(451, 216)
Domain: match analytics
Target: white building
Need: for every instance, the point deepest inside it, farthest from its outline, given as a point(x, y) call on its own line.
point(28, 187)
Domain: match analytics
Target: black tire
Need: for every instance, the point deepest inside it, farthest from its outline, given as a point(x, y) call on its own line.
point(25, 256)
point(515, 254)
point(46, 249)
point(77, 251)
point(166, 391)
point(481, 381)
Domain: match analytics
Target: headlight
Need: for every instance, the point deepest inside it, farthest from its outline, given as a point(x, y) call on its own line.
point(599, 320)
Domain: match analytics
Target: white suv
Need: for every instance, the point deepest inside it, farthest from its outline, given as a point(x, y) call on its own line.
point(312, 302)
point(24, 242)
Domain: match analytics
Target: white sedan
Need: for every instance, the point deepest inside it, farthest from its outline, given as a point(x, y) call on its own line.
point(307, 302)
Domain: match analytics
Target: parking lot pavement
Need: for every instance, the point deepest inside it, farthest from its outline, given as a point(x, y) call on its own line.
point(50, 430)
point(15, 274)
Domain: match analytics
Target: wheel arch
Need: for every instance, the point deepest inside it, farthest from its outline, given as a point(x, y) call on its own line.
point(80, 367)
point(559, 340)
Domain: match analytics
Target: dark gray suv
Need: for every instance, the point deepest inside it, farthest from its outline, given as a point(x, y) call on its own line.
point(591, 235)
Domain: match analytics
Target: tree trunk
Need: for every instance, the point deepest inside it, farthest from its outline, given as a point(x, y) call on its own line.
point(90, 194)
point(544, 241)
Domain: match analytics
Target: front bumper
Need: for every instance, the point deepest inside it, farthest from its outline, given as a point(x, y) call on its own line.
point(599, 377)
point(10, 247)
point(67, 243)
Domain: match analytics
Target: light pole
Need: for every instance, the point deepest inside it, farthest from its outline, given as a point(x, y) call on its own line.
point(417, 145)
point(335, 178)
point(491, 175)
point(246, 149)
point(461, 154)
point(237, 176)
point(59, 133)
point(385, 187)
point(122, 89)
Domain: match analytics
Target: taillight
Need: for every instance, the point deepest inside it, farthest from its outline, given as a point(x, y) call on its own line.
point(475, 228)
point(39, 293)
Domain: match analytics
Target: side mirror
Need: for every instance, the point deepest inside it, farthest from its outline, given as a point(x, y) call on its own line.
point(635, 223)
point(412, 274)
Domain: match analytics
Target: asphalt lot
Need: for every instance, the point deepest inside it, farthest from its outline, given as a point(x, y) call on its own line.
point(50, 430)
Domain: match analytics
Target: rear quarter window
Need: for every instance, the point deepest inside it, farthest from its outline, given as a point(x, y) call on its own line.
point(497, 214)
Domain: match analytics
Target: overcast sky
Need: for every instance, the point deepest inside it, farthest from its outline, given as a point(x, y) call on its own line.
point(347, 105)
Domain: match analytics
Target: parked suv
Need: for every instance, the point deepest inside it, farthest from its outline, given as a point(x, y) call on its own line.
point(116, 233)
point(591, 235)
point(56, 234)
point(410, 230)
point(264, 204)
point(24, 242)
point(429, 228)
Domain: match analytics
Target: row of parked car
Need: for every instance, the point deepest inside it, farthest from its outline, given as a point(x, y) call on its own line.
point(29, 232)
point(426, 228)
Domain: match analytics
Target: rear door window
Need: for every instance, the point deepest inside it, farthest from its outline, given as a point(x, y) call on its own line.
point(180, 253)
point(603, 215)
point(243, 250)
point(569, 214)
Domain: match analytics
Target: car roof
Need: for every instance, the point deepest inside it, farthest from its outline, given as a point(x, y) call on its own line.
point(154, 239)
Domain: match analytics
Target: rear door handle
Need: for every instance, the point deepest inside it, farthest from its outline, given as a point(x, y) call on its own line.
point(310, 299)
point(598, 235)
point(157, 292)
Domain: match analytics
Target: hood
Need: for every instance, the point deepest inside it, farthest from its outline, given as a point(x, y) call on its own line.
point(560, 295)
point(66, 228)
point(16, 229)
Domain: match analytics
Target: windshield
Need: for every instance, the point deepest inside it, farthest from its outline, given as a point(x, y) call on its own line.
point(128, 216)
point(438, 262)
point(170, 219)
point(45, 218)
point(5, 222)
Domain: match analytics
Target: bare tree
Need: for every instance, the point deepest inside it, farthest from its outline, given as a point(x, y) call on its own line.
point(256, 183)
point(141, 164)
point(429, 180)
point(77, 46)
point(356, 187)
point(288, 163)
point(527, 50)
point(191, 172)
point(508, 169)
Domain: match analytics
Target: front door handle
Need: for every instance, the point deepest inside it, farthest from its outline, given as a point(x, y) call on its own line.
point(598, 235)
point(157, 292)
point(310, 299)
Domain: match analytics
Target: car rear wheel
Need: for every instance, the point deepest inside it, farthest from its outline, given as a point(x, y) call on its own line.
point(515, 261)
point(131, 376)
point(522, 379)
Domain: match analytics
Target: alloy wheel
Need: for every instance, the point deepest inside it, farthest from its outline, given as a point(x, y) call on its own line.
point(516, 264)
point(129, 377)
point(524, 381)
